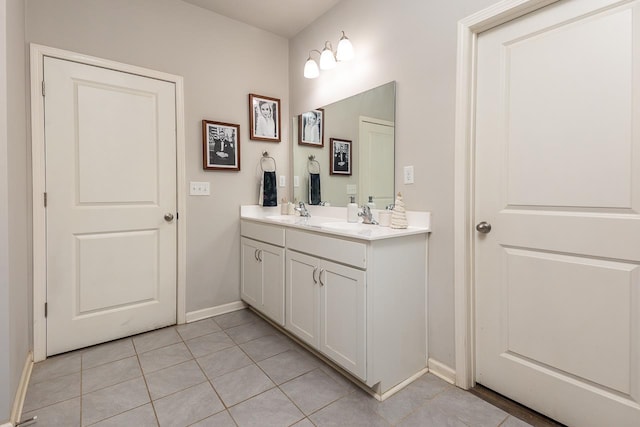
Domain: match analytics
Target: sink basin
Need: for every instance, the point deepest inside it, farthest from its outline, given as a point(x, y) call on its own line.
point(284, 218)
point(312, 221)
point(348, 226)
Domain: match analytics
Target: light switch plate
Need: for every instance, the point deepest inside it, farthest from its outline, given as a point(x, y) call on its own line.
point(199, 188)
point(283, 181)
point(408, 174)
point(296, 181)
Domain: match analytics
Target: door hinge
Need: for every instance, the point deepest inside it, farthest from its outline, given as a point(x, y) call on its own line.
point(46, 309)
point(43, 88)
point(45, 200)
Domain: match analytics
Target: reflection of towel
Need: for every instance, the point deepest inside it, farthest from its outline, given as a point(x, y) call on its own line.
point(268, 189)
point(314, 189)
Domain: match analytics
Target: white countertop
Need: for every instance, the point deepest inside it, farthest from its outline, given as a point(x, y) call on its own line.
point(332, 220)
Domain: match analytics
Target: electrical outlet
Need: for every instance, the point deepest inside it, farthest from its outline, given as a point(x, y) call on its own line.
point(199, 188)
point(283, 181)
point(408, 174)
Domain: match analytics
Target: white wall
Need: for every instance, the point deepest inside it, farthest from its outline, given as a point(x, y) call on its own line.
point(222, 61)
point(5, 369)
point(15, 338)
point(414, 43)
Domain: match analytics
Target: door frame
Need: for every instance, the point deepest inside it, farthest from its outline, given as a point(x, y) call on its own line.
point(37, 54)
point(464, 171)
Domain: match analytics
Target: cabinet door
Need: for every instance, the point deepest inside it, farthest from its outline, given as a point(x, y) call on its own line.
point(272, 258)
point(343, 316)
point(302, 297)
point(251, 273)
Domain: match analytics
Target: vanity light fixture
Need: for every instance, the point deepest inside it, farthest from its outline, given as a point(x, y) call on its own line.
point(328, 58)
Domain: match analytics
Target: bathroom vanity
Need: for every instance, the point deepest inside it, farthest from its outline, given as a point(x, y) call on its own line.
point(353, 293)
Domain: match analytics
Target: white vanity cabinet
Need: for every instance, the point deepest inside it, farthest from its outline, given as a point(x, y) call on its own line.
point(325, 307)
point(262, 269)
point(357, 299)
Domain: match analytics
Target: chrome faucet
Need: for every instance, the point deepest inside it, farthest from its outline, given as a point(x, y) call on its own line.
point(303, 210)
point(367, 216)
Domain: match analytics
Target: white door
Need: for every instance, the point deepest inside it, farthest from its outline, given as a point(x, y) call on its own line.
point(376, 148)
point(558, 179)
point(302, 297)
point(251, 272)
point(262, 278)
point(272, 260)
point(343, 316)
point(110, 182)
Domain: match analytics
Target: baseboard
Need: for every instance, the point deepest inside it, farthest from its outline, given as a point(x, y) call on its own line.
point(442, 371)
point(205, 313)
point(21, 392)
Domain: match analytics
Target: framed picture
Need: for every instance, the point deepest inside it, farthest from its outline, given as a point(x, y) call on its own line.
point(311, 128)
point(220, 146)
point(340, 156)
point(264, 118)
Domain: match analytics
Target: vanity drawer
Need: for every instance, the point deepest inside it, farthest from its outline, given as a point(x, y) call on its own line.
point(339, 250)
point(262, 232)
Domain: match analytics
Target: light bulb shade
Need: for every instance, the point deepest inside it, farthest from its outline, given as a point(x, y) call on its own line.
point(327, 59)
point(311, 70)
point(345, 49)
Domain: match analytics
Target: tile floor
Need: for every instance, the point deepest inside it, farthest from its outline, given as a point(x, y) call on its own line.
point(233, 369)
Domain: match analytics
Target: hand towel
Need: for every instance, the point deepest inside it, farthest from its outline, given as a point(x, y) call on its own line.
point(314, 189)
point(269, 189)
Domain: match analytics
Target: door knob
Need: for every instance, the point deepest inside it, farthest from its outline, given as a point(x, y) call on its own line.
point(168, 217)
point(483, 227)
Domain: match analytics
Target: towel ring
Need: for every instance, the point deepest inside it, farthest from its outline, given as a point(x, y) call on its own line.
point(311, 163)
point(266, 157)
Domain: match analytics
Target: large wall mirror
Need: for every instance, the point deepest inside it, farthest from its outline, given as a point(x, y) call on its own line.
point(356, 153)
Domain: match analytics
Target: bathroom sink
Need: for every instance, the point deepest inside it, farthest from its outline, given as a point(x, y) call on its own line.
point(348, 226)
point(290, 219)
point(312, 221)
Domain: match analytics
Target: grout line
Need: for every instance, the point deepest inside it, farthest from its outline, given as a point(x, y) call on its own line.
point(146, 384)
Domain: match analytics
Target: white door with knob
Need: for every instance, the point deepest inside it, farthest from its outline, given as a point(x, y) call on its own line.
point(111, 204)
point(557, 246)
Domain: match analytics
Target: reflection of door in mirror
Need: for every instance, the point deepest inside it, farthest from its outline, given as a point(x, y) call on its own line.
point(341, 120)
point(376, 171)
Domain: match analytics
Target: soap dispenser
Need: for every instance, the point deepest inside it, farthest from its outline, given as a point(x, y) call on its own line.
point(371, 203)
point(352, 210)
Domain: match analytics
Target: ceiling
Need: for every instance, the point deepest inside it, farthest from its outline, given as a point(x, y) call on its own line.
point(283, 17)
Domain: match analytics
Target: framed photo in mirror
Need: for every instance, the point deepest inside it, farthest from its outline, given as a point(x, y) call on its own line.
point(341, 159)
point(311, 128)
point(264, 118)
point(220, 146)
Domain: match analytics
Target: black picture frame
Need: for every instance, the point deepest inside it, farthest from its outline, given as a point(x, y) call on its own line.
point(341, 156)
point(220, 146)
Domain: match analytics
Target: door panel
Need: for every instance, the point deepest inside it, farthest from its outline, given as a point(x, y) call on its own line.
point(343, 317)
point(557, 167)
point(110, 179)
point(376, 161)
point(302, 296)
point(251, 282)
point(273, 282)
point(106, 153)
